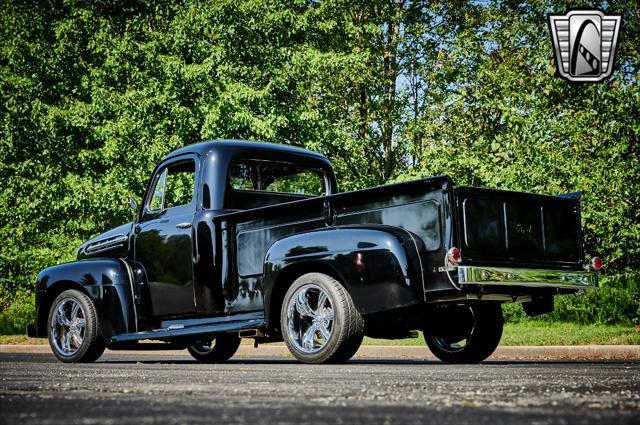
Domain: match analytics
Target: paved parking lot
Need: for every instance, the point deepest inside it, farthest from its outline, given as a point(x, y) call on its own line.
point(125, 388)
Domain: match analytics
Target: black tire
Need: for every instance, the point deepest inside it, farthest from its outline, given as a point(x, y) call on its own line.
point(215, 350)
point(347, 325)
point(481, 334)
point(92, 345)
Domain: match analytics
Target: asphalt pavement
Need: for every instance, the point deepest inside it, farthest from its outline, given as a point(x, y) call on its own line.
point(123, 388)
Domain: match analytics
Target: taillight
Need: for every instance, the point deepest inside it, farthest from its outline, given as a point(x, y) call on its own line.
point(454, 256)
point(596, 263)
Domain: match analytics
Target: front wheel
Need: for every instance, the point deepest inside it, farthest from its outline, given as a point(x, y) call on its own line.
point(319, 321)
point(464, 333)
point(74, 328)
point(215, 350)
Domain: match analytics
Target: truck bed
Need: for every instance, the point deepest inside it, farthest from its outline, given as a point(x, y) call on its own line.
point(492, 227)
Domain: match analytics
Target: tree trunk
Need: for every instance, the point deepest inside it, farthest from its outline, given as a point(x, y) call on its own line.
point(390, 76)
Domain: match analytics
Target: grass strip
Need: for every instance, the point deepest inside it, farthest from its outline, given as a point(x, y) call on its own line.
point(522, 333)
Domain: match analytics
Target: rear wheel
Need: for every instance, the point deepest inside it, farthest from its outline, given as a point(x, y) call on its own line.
point(215, 350)
point(74, 328)
point(320, 323)
point(464, 333)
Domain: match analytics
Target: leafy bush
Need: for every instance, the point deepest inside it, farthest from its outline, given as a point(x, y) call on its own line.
point(21, 312)
point(616, 301)
point(513, 313)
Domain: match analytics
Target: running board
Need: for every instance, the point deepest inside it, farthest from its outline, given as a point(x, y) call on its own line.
point(176, 330)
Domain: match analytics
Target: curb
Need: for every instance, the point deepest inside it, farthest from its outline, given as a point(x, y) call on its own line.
point(530, 353)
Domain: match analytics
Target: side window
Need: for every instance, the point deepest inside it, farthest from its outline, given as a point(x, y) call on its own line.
point(157, 199)
point(174, 186)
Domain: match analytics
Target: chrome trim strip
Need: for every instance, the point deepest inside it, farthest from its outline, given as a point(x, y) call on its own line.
point(472, 275)
point(476, 297)
point(133, 293)
point(505, 221)
point(107, 243)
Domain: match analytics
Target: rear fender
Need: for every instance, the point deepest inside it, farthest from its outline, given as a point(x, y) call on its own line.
point(106, 281)
point(379, 265)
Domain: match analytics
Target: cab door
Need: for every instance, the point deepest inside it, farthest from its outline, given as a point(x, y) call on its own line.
point(164, 240)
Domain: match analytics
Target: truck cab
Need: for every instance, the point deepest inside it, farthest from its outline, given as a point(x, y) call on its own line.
point(248, 239)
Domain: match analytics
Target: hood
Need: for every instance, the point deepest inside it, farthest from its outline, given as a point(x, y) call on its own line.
point(112, 243)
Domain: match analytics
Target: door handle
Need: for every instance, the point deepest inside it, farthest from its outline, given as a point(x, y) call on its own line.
point(183, 225)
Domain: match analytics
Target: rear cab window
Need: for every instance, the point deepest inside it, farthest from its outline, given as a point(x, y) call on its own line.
point(257, 183)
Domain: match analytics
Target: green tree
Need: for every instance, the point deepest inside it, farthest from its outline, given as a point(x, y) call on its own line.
point(502, 118)
point(94, 93)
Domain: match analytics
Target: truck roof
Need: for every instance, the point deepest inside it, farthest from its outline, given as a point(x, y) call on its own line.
point(204, 148)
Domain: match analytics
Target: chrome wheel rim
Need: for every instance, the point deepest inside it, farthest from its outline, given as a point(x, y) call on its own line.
point(67, 327)
point(309, 319)
point(203, 347)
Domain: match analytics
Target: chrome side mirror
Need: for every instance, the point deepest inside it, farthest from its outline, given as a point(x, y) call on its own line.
point(134, 208)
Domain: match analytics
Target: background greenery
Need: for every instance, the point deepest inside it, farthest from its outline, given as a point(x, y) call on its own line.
point(94, 93)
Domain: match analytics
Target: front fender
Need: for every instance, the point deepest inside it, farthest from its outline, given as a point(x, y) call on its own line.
point(379, 265)
point(105, 280)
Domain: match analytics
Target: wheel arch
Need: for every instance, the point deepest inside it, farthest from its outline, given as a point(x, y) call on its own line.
point(106, 281)
point(378, 265)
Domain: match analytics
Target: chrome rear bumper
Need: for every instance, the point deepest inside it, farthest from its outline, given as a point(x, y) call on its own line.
point(477, 275)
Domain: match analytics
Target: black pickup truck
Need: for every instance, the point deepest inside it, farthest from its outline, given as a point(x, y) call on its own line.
point(246, 239)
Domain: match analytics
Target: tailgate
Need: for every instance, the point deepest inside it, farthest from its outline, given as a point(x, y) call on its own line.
point(498, 227)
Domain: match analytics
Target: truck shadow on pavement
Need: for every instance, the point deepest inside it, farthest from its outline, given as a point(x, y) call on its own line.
point(146, 359)
point(369, 362)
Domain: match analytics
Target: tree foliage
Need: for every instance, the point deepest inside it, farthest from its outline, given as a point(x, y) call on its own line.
point(94, 93)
